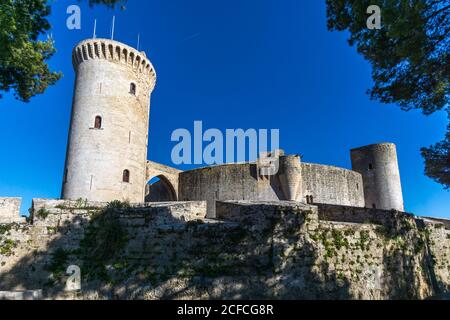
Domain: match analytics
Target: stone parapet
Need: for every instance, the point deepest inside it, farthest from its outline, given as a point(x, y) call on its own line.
point(10, 211)
point(116, 52)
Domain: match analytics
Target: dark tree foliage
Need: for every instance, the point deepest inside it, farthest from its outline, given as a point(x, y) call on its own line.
point(109, 3)
point(437, 161)
point(410, 58)
point(23, 56)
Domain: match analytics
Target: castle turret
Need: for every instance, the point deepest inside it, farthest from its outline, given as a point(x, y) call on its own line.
point(107, 150)
point(378, 164)
point(290, 175)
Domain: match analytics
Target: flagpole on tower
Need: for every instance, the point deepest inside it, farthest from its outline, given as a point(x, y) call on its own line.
point(113, 26)
point(139, 41)
point(95, 29)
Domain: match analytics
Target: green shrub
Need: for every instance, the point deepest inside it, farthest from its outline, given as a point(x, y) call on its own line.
point(81, 203)
point(58, 263)
point(116, 204)
point(339, 240)
point(7, 247)
point(5, 229)
point(103, 242)
point(364, 240)
point(43, 214)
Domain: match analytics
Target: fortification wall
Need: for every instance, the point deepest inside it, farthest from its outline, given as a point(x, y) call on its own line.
point(325, 184)
point(332, 185)
point(438, 245)
point(10, 210)
point(35, 256)
point(445, 222)
point(263, 250)
point(227, 182)
point(359, 215)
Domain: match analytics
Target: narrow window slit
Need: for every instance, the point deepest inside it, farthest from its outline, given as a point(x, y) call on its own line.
point(98, 122)
point(126, 176)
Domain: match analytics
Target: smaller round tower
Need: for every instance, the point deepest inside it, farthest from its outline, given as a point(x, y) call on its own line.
point(378, 165)
point(290, 175)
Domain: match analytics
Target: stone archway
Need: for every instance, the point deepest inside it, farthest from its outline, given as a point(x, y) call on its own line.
point(159, 189)
point(162, 183)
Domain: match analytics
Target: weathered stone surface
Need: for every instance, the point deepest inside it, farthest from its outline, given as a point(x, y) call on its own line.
point(10, 210)
point(359, 215)
point(107, 150)
point(263, 250)
point(21, 295)
point(233, 182)
point(378, 165)
point(169, 178)
point(96, 160)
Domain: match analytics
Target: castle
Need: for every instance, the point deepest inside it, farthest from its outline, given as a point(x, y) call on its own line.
point(233, 231)
point(107, 150)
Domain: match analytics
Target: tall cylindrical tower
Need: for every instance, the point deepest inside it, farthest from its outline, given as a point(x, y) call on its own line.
point(378, 164)
point(107, 150)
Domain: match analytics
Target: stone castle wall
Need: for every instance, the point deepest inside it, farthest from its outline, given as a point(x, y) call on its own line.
point(10, 210)
point(227, 182)
point(256, 250)
point(27, 250)
point(333, 185)
point(326, 184)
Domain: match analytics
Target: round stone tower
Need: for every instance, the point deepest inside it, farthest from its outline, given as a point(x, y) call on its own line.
point(107, 149)
point(378, 164)
point(290, 175)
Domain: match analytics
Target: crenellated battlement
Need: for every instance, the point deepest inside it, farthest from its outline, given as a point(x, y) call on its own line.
point(92, 49)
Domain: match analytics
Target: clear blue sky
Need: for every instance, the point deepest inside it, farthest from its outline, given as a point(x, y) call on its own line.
point(232, 64)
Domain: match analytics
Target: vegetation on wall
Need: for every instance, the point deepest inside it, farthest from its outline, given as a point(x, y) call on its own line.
point(124, 248)
point(104, 240)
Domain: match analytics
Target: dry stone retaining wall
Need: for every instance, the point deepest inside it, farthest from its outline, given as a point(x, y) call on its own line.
point(281, 250)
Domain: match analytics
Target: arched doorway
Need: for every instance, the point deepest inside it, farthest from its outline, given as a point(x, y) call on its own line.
point(159, 189)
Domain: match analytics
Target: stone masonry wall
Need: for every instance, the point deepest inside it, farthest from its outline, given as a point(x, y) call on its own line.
point(326, 184)
point(278, 250)
point(10, 210)
point(227, 182)
point(332, 185)
point(27, 250)
point(97, 157)
point(360, 215)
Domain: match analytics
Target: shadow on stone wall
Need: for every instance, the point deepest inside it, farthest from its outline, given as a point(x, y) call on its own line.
point(43, 257)
point(264, 252)
point(128, 253)
point(263, 257)
point(407, 261)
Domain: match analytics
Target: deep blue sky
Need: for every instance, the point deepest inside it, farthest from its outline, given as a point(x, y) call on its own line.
point(232, 64)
